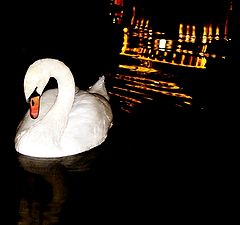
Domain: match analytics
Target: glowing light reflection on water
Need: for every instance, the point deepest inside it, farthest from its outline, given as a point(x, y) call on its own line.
point(134, 85)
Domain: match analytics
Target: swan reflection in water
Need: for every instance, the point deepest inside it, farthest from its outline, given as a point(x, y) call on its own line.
point(43, 188)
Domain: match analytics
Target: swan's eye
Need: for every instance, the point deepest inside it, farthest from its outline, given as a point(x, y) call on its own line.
point(32, 102)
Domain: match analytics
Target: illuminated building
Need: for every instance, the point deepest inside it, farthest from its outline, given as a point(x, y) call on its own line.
point(192, 46)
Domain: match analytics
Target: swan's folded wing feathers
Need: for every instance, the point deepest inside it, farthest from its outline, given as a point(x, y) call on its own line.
point(99, 88)
point(88, 124)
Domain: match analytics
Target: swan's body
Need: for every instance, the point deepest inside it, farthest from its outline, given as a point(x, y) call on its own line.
point(70, 120)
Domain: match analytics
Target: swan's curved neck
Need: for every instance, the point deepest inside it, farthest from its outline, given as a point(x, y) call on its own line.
point(58, 114)
point(66, 91)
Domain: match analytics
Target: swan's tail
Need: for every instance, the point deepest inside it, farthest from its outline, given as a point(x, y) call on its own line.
point(99, 87)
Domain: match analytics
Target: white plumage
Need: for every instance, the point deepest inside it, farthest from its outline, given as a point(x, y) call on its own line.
point(70, 121)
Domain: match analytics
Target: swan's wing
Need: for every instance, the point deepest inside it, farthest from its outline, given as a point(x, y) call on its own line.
point(99, 88)
point(89, 122)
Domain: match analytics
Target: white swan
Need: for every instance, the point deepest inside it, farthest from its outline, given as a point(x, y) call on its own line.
point(69, 121)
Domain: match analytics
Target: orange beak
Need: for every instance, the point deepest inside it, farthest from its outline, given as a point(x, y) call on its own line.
point(34, 107)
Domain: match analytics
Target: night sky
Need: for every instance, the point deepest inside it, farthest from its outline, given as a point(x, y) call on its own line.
point(170, 13)
point(78, 34)
point(185, 8)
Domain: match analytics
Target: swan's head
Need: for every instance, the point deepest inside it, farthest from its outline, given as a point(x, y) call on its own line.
point(39, 73)
point(36, 78)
